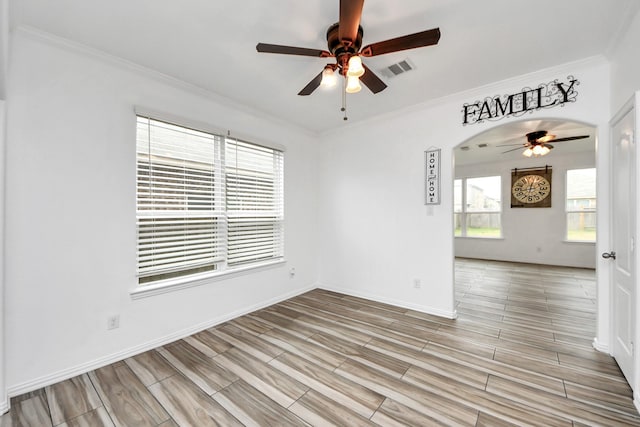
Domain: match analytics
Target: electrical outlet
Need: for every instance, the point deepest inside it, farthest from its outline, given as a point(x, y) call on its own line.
point(417, 284)
point(113, 322)
point(292, 272)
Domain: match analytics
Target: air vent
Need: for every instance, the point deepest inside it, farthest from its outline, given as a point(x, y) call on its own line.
point(397, 68)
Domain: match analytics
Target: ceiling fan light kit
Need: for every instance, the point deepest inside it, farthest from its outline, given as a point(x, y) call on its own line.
point(329, 78)
point(355, 68)
point(353, 84)
point(344, 41)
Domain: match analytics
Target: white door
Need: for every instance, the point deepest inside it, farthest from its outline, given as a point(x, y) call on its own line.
point(623, 245)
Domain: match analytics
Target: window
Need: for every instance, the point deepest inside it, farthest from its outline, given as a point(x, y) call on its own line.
point(581, 205)
point(477, 207)
point(205, 203)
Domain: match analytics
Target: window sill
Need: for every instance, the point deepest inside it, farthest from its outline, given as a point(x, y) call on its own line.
point(579, 242)
point(177, 284)
point(478, 237)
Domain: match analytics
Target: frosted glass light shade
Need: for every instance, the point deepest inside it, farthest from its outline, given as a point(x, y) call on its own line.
point(353, 84)
point(355, 67)
point(329, 78)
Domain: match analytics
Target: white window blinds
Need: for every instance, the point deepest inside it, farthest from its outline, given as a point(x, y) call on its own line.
point(254, 177)
point(202, 206)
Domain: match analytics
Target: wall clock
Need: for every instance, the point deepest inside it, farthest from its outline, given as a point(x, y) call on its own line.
point(531, 188)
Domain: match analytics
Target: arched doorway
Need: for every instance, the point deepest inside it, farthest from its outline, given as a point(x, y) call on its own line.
point(487, 224)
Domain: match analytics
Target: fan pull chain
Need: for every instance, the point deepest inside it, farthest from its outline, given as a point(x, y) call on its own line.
point(344, 100)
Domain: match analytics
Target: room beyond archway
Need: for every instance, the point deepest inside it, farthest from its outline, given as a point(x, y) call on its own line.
point(556, 226)
point(513, 251)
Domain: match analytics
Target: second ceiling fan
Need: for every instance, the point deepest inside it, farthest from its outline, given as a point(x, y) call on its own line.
point(344, 41)
point(538, 143)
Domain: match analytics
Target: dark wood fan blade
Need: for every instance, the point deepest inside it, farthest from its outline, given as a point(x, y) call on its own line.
point(350, 13)
point(291, 50)
point(513, 149)
point(313, 85)
point(569, 138)
point(372, 81)
point(411, 41)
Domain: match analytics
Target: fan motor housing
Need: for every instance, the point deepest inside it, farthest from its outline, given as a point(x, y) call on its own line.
point(339, 49)
point(533, 137)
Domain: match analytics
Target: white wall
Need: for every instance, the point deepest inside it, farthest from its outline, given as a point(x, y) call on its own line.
point(4, 399)
point(377, 234)
point(625, 84)
point(534, 235)
point(4, 46)
point(625, 62)
point(4, 59)
point(71, 236)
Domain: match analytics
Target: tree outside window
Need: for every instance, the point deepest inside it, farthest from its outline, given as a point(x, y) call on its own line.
point(478, 207)
point(581, 205)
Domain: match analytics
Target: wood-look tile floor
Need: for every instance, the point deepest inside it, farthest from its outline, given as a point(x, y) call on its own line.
point(519, 354)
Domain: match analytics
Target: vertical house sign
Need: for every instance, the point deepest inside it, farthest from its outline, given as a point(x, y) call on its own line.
point(432, 177)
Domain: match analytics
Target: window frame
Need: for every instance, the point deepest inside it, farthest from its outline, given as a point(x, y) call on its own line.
point(271, 214)
point(590, 210)
point(464, 212)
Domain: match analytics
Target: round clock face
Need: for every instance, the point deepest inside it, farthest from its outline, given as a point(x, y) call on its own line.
point(531, 189)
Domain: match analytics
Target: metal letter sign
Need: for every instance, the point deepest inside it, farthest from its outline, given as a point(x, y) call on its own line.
point(432, 177)
point(546, 95)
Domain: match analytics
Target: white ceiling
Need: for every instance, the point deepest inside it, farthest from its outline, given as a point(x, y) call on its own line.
point(211, 44)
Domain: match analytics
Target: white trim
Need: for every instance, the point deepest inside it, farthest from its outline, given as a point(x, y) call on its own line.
point(600, 347)
point(479, 237)
point(171, 285)
point(123, 64)
point(132, 351)
point(573, 67)
point(396, 303)
point(5, 406)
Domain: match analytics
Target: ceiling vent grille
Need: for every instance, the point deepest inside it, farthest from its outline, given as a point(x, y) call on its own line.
point(398, 68)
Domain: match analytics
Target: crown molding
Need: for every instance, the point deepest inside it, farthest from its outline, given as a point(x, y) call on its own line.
point(517, 82)
point(43, 37)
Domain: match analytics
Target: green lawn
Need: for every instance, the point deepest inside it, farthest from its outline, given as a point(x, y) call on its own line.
point(577, 235)
point(479, 232)
point(588, 235)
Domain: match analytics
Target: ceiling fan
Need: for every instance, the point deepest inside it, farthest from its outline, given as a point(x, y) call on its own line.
point(344, 41)
point(538, 143)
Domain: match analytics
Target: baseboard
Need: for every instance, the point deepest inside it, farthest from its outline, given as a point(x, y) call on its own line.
point(74, 371)
point(599, 346)
point(636, 401)
point(398, 303)
point(4, 406)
